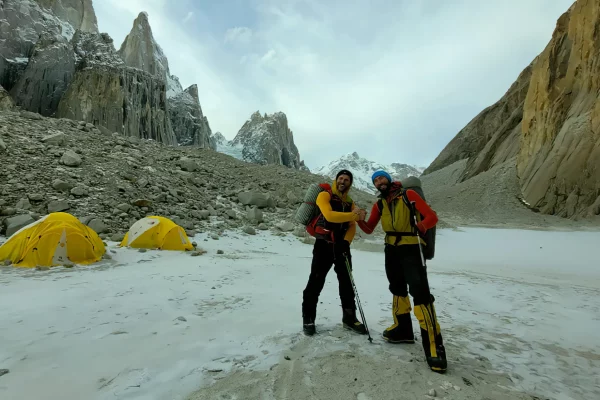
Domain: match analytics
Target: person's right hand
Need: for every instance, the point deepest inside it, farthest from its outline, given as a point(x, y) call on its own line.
point(362, 214)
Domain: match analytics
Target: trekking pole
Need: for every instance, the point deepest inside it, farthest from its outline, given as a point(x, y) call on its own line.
point(431, 316)
point(362, 315)
point(414, 215)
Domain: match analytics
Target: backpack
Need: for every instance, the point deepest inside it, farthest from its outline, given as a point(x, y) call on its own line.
point(308, 213)
point(414, 183)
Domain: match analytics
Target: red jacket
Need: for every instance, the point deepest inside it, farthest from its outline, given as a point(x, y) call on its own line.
point(429, 216)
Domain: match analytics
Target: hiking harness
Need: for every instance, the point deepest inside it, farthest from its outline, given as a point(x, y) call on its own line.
point(413, 221)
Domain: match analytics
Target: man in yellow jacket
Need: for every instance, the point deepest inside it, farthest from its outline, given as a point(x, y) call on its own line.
point(335, 229)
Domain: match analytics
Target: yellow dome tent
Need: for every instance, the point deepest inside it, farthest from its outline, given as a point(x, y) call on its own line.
point(55, 239)
point(157, 233)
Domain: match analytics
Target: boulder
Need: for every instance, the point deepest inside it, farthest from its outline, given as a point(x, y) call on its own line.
point(71, 159)
point(55, 138)
point(13, 224)
point(254, 199)
point(189, 165)
point(285, 226)
point(255, 215)
point(97, 225)
point(58, 206)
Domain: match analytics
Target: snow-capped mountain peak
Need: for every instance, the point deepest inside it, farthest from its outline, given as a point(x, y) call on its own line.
point(362, 170)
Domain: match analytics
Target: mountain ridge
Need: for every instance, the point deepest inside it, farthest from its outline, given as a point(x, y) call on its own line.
point(362, 169)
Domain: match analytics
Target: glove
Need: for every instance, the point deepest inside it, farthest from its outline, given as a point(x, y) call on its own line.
point(421, 228)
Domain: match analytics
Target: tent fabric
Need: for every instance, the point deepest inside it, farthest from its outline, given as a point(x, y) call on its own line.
point(55, 239)
point(156, 232)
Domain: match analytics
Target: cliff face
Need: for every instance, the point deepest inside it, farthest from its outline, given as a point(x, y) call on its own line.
point(140, 50)
point(190, 126)
point(22, 22)
point(78, 13)
point(268, 140)
point(559, 159)
point(47, 75)
point(549, 121)
point(106, 92)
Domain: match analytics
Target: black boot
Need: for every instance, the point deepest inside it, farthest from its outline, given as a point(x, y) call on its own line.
point(350, 322)
point(433, 343)
point(401, 331)
point(308, 326)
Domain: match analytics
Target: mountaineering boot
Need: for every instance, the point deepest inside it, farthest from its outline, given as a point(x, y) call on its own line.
point(308, 326)
point(433, 344)
point(401, 331)
point(350, 322)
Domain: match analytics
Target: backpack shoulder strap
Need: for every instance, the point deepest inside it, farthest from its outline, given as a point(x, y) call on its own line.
point(411, 207)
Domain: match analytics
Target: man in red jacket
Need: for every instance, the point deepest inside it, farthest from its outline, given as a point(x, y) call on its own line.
point(404, 265)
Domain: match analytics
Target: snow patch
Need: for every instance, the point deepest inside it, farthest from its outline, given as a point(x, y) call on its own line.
point(233, 150)
point(19, 60)
point(173, 86)
point(158, 324)
point(67, 30)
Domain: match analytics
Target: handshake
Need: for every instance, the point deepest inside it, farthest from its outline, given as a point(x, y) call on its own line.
point(362, 214)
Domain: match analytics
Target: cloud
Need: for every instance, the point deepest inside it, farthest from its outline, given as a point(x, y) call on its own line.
point(238, 34)
point(392, 80)
point(188, 17)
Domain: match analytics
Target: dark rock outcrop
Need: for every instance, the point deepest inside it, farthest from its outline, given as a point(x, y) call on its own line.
point(268, 140)
point(6, 102)
point(190, 126)
point(11, 70)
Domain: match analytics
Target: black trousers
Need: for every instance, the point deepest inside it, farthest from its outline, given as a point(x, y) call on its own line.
point(403, 268)
point(326, 255)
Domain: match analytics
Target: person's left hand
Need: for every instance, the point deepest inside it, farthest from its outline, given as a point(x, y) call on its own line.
point(345, 247)
point(421, 228)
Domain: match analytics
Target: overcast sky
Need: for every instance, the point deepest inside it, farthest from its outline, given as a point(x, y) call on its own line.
point(394, 80)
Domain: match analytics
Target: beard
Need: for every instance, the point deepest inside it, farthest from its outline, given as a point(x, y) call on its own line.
point(341, 187)
point(384, 189)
